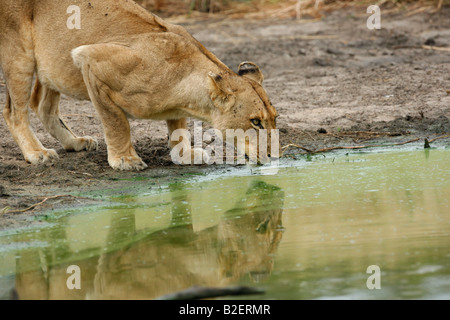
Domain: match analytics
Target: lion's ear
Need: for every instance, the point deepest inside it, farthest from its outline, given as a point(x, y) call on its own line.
point(251, 71)
point(221, 94)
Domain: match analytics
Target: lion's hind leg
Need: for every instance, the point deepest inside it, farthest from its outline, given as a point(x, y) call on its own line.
point(45, 103)
point(18, 63)
point(18, 122)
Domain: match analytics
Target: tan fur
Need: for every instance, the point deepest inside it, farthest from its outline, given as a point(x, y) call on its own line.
point(125, 60)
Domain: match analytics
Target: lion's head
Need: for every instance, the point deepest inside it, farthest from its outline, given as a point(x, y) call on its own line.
point(242, 103)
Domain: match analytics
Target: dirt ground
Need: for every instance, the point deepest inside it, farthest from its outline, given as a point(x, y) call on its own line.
point(333, 81)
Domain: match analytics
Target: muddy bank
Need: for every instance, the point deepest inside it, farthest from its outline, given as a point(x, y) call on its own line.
point(334, 82)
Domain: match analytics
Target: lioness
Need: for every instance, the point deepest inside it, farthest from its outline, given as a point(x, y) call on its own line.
point(129, 63)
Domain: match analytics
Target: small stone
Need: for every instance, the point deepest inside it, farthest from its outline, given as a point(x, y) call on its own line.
point(430, 42)
point(3, 192)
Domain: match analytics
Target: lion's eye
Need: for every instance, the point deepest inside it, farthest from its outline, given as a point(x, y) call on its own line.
point(256, 122)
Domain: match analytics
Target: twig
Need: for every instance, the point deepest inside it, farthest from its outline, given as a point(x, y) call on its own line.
point(423, 47)
point(366, 146)
point(309, 134)
point(392, 134)
point(83, 173)
point(416, 11)
point(195, 293)
point(297, 146)
point(335, 135)
point(436, 48)
point(4, 211)
point(282, 11)
point(438, 7)
point(346, 147)
point(341, 148)
point(310, 37)
point(79, 115)
point(441, 137)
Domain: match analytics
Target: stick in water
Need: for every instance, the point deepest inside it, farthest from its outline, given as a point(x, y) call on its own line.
point(195, 293)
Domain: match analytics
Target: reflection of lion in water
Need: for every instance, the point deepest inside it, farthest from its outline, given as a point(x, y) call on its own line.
point(258, 229)
point(242, 244)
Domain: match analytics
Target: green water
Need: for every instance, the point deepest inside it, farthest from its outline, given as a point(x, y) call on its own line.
point(308, 232)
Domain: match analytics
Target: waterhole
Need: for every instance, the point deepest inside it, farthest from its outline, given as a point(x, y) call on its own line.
point(311, 231)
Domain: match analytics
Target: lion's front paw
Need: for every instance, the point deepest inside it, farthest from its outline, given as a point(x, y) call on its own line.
point(79, 144)
point(127, 163)
point(41, 156)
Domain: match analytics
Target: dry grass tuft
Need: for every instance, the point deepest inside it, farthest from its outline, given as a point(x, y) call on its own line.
point(258, 9)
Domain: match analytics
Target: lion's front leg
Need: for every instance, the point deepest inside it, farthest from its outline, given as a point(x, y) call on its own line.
point(100, 65)
point(121, 154)
point(182, 151)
